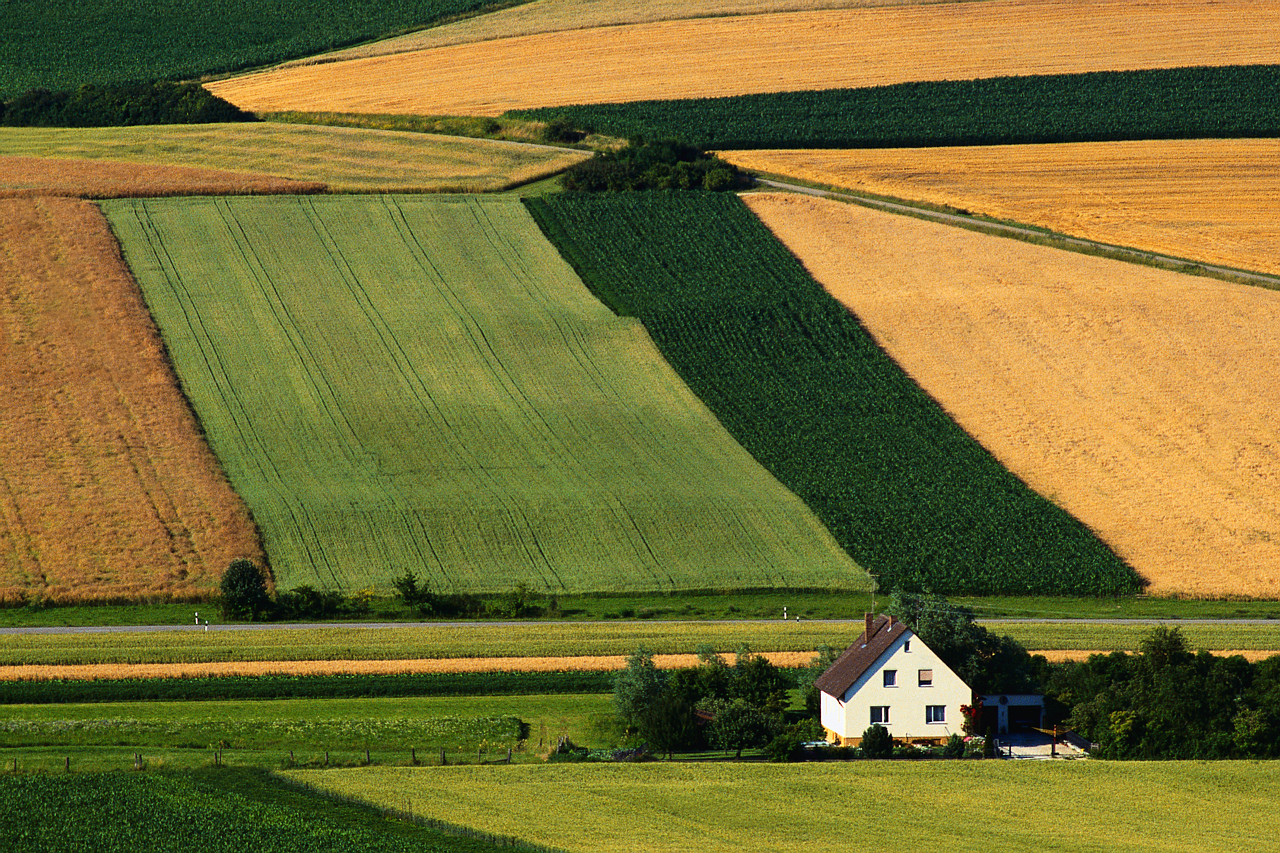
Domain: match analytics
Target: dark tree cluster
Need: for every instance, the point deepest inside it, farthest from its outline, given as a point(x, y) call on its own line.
point(120, 105)
point(711, 705)
point(654, 166)
point(1167, 702)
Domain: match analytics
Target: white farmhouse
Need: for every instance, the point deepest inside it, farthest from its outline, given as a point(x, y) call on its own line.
point(888, 676)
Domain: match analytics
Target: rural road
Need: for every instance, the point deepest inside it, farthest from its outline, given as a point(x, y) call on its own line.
point(1117, 252)
point(321, 626)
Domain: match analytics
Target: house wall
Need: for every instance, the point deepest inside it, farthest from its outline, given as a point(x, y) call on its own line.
point(848, 716)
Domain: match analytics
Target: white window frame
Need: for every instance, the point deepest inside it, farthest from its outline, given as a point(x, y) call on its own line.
point(920, 679)
point(890, 677)
point(881, 711)
point(935, 714)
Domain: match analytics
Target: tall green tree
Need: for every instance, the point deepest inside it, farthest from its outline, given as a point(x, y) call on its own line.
point(244, 592)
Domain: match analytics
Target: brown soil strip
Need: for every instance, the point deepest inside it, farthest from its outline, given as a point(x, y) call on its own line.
point(790, 51)
point(594, 663)
point(1141, 401)
point(107, 489)
point(27, 177)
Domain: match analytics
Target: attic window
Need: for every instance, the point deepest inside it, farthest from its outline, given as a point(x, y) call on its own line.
point(906, 645)
point(890, 678)
point(926, 678)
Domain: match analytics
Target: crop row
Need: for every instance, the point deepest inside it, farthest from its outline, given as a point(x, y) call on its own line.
point(1176, 103)
point(216, 812)
point(800, 383)
point(66, 44)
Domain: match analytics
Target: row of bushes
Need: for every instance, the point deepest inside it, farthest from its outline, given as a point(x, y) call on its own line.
point(116, 106)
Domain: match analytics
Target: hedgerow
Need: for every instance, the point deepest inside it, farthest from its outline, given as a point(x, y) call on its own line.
point(800, 383)
point(1174, 103)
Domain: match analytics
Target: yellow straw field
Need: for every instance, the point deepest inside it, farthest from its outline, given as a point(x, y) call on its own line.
point(1210, 200)
point(775, 52)
point(344, 159)
point(28, 177)
point(1142, 401)
point(107, 490)
point(550, 16)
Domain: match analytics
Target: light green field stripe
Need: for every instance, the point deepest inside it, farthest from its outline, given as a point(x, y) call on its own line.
point(894, 807)
point(422, 383)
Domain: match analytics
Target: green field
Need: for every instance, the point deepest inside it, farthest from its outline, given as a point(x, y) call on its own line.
point(271, 733)
point(1174, 103)
point(899, 806)
point(435, 641)
point(798, 380)
point(66, 44)
point(422, 383)
point(213, 811)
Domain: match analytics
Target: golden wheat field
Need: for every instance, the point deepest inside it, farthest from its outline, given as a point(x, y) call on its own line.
point(1140, 400)
point(28, 177)
point(344, 159)
point(549, 16)
point(775, 52)
point(1210, 200)
point(107, 489)
point(583, 663)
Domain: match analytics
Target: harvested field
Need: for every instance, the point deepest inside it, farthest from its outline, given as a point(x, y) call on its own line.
point(107, 490)
point(1209, 200)
point(550, 16)
point(1139, 400)
point(773, 53)
point(344, 159)
point(580, 663)
point(29, 177)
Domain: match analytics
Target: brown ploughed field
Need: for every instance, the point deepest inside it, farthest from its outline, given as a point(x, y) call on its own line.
point(28, 177)
point(786, 51)
point(1211, 200)
point(107, 489)
point(1142, 401)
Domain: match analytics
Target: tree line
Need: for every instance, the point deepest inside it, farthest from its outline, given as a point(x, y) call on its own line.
point(119, 105)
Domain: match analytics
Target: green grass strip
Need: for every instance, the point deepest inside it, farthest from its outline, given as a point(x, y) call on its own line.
point(1176, 103)
point(802, 385)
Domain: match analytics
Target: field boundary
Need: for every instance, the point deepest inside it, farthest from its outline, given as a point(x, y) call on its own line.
point(1025, 233)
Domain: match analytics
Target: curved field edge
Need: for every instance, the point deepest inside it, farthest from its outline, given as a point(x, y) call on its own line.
point(108, 491)
point(661, 807)
point(342, 159)
point(420, 382)
point(1165, 103)
point(220, 810)
point(800, 383)
point(66, 44)
point(719, 57)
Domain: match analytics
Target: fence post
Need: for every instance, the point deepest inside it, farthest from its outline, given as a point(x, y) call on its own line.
point(366, 756)
point(68, 764)
point(326, 758)
point(508, 755)
point(442, 761)
point(413, 755)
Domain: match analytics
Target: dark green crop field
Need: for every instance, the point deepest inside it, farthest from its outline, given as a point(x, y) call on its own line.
point(1177, 103)
point(224, 811)
point(799, 382)
point(61, 44)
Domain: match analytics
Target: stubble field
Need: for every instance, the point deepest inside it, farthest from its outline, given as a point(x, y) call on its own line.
point(1209, 200)
point(343, 159)
point(107, 489)
point(29, 177)
point(1141, 401)
point(788, 51)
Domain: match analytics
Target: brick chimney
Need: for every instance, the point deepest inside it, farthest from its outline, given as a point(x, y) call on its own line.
point(871, 620)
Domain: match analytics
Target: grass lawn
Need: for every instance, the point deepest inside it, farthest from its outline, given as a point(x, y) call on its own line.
point(105, 736)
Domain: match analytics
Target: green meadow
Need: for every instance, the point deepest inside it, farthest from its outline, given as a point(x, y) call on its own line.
point(422, 383)
point(905, 806)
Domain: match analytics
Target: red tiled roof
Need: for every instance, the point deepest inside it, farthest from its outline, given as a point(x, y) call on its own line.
point(859, 657)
